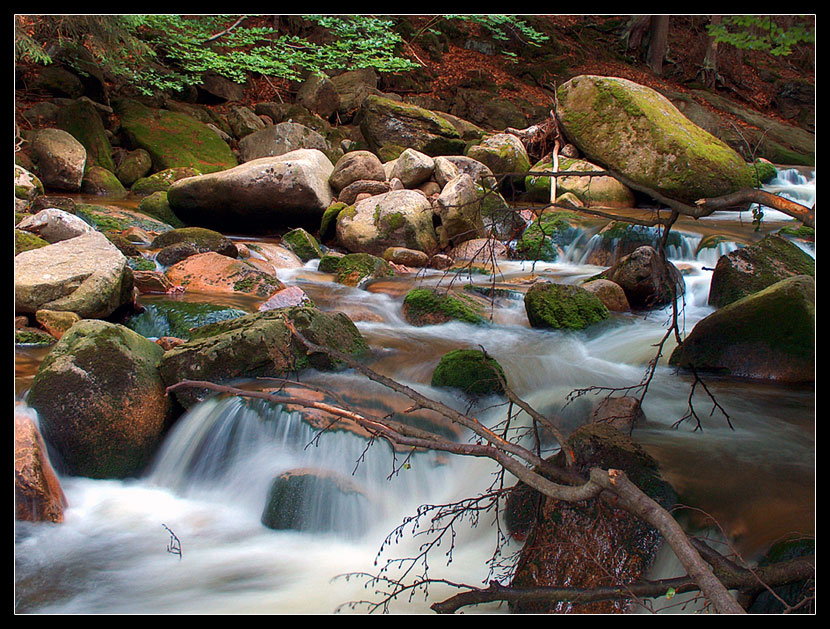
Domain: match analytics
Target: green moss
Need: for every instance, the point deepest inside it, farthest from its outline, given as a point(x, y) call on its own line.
point(329, 221)
point(26, 241)
point(550, 305)
point(354, 268)
point(428, 306)
point(544, 238)
point(471, 371)
point(156, 205)
point(32, 337)
point(302, 244)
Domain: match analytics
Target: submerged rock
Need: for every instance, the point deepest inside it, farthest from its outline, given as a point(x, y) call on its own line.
point(259, 344)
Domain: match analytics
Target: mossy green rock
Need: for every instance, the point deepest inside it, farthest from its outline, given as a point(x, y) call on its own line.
point(100, 181)
point(173, 139)
point(355, 268)
point(201, 238)
point(550, 305)
point(156, 205)
point(162, 180)
point(83, 121)
point(768, 335)
point(387, 122)
point(750, 269)
point(312, 500)
point(471, 371)
point(302, 244)
point(259, 344)
point(433, 306)
point(26, 241)
point(547, 237)
point(101, 401)
point(638, 133)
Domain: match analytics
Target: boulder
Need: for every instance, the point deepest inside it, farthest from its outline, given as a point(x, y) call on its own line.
point(502, 153)
point(37, 490)
point(86, 275)
point(56, 322)
point(161, 180)
point(638, 133)
point(413, 168)
point(319, 95)
point(399, 218)
point(648, 283)
point(259, 344)
point(302, 244)
point(433, 306)
point(315, 500)
point(82, 120)
point(101, 401)
point(459, 209)
point(243, 121)
point(550, 305)
point(102, 182)
point(135, 165)
point(386, 124)
point(291, 190)
point(285, 298)
point(173, 139)
point(203, 240)
point(470, 371)
point(587, 544)
point(60, 159)
point(349, 195)
point(178, 318)
point(353, 269)
point(768, 335)
point(54, 225)
point(610, 294)
point(480, 173)
point(749, 269)
point(548, 236)
point(356, 166)
point(406, 257)
point(212, 272)
point(280, 139)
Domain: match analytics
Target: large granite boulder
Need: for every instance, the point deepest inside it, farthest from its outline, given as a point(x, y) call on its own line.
point(101, 400)
point(86, 275)
point(280, 139)
point(638, 133)
point(173, 139)
point(749, 269)
point(356, 166)
point(60, 159)
point(290, 190)
point(387, 124)
point(259, 344)
point(399, 218)
point(502, 153)
point(459, 208)
point(767, 335)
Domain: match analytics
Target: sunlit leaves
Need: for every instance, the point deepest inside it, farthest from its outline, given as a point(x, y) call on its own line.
point(763, 32)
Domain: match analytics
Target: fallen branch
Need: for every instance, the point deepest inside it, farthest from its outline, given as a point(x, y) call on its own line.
point(739, 200)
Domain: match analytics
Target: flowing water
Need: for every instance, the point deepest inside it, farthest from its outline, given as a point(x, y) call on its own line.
point(186, 538)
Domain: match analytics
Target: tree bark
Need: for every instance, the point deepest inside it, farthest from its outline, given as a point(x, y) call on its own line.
point(659, 31)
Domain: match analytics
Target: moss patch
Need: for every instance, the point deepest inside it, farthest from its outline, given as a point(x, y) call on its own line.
point(471, 371)
point(551, 305)
point(431, 306)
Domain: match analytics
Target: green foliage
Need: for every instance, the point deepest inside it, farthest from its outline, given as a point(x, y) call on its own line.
point(763, 32)
point(501, 27)
point(170, 52)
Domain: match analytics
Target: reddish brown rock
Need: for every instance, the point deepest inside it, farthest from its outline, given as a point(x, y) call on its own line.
point(214, 273)
point(38, 493)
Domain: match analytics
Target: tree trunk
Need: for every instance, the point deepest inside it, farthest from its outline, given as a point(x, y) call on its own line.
point(659, 32)
point(710, 60)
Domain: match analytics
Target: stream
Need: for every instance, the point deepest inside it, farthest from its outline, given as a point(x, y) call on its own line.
point(207, 485)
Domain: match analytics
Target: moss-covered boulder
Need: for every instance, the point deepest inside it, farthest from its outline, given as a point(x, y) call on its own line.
point(385, 122)
point(747, 270)
point(635, 131)
point(768, 335)
point(202, 239)
point(302, 244)
point(82, 120)
point(162, 180)
point(157, 206)
point(102, 182)
point(471, 371)
point(400, 218)
point(173, 139)
point(101, 401)
point(548, 235)
point(502, 153)
point(354, 269)
point(602, 191)
point(133, 166)
point(328, 223)
point(315, 500)
point(108, 218)
point(259, 344)
point(433, 306)
point(26, 241)
point(550, 305)
point(587, 544)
